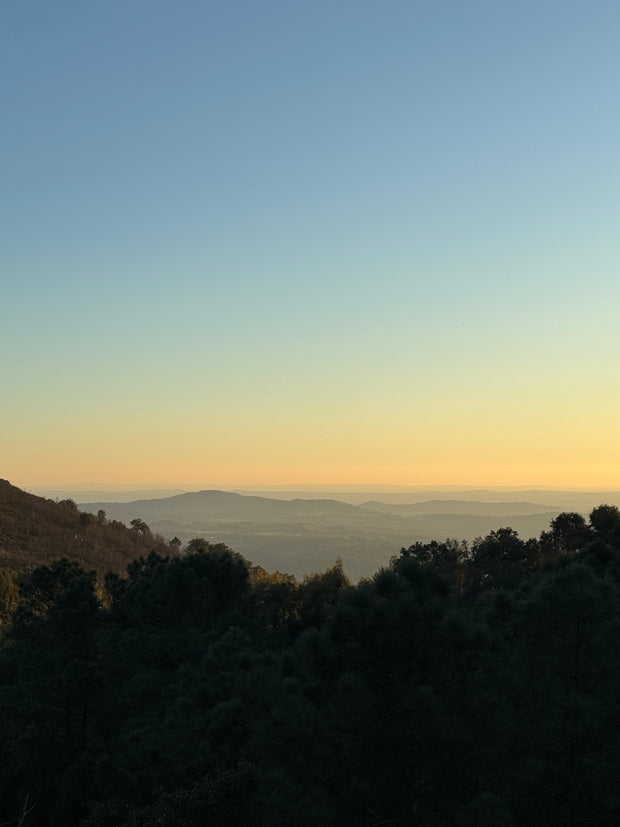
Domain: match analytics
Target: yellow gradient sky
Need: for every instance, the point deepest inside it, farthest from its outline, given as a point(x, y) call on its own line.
point(287, 244)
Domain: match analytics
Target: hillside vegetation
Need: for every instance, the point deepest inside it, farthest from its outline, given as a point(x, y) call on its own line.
point(35, 531)
point(462, 684)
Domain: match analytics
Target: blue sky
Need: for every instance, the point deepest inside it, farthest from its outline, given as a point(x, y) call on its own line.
point(293, 242)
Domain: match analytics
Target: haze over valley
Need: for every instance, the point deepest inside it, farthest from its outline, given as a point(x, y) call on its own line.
point(309, 532)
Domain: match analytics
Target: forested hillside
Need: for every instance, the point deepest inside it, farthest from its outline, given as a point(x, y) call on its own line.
point(36, 531)
point(463, 684)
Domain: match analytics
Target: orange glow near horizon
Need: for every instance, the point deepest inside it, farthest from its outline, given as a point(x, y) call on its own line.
point(497, 449)
point(584, 476)
point(298, 453)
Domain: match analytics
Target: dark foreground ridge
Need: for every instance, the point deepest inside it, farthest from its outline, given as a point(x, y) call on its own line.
point(462, 684)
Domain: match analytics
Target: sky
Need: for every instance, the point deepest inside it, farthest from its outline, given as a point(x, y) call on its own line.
point(271, 243)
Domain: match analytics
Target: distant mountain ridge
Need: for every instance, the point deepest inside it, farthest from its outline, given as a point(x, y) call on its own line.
point(215, 504)
point(565, 499)
point(501, 509)
point(301, 536)
point(220, 505)
point(552, 498)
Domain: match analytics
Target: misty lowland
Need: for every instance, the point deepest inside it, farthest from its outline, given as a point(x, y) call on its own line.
point(302, 532)
point(150, 678)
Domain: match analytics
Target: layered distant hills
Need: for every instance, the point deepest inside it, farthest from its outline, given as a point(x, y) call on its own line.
point(462, 507)
point(300, 535)
point(303, 535)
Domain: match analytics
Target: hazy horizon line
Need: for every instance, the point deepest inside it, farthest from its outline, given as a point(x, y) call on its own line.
point(309, 487)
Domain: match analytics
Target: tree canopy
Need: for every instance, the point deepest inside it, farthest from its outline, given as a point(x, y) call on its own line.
point(463, 684)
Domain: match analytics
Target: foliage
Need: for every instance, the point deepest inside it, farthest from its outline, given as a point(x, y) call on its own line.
point(35, 531)
point(461, 685)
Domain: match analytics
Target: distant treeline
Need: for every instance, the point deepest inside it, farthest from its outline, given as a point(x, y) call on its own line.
point(461, 685)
